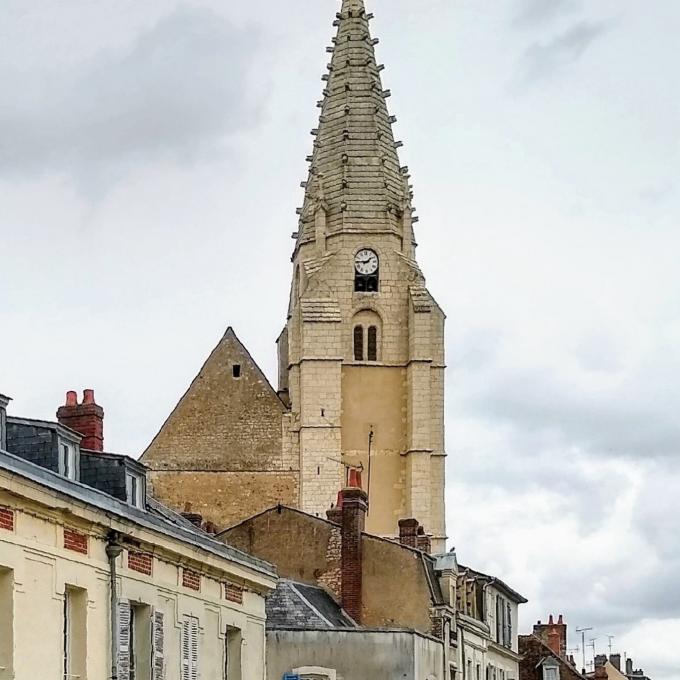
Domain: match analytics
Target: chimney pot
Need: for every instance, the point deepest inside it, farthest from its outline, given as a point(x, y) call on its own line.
point(560, 620)
point(551, 621)
point(87, 419)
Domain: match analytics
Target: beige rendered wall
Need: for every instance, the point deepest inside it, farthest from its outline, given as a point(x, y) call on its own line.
point(395, 588)
point(373, 397)
point(36, 571)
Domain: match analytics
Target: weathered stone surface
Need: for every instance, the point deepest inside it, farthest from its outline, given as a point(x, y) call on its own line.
point(224, 497)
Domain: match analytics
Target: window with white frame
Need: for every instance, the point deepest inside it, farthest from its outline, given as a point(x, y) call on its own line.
point(74, 633)
point(232, 654)
point(134, 485)
point(551, 670)
point(67, 459)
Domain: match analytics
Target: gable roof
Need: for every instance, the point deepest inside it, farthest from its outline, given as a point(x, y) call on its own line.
point(210, 391)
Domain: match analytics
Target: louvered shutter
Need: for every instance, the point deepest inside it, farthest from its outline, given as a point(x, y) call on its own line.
point(185, 650)
point(509, 642)
point(158, 645)
point(194, 650)
point(190, 649)
point(124, 622)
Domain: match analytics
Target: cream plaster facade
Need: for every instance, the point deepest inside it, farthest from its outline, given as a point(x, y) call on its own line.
point(43, 583)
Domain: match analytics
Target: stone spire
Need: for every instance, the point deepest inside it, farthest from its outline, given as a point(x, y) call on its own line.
point(355, 180)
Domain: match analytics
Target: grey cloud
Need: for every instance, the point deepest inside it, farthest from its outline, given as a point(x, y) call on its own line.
point(543, 60)
point(177, 91)
point(630, 413)
point(534, 12)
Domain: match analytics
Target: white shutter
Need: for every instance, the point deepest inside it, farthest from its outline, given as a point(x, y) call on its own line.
point(185, 650)
point(190, 632)
point(158, 645)
point(194, 650)
point(124, 621)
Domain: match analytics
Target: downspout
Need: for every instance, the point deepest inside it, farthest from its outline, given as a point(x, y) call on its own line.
point(113, 550)
point(462, 649)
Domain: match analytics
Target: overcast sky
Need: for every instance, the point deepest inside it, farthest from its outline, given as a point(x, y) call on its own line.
point(150, 160)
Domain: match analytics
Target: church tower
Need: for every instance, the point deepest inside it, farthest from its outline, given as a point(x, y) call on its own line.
point(361, 359)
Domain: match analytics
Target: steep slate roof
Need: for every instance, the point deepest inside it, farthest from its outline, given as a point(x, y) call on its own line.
point(162, 521)
point(355, 174)
point(296, 605)
point(517, 597)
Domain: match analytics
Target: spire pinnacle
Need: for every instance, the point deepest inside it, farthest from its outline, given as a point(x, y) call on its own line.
point(355, 174)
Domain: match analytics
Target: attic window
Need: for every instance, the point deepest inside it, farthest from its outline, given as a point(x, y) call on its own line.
point(134, 487)
point(236, 370)
point(67, 459)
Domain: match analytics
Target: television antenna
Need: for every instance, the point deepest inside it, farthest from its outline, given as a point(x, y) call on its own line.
point(583, 632)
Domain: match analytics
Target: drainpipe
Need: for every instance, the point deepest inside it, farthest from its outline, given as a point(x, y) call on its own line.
point(113, 550)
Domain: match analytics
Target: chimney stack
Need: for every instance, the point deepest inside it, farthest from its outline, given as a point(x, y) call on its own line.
point(86, 418)
point(554, 635)
point(354, 505)
point(615, 660)
point(629, 666)
point(408, 532)
point(194, 517)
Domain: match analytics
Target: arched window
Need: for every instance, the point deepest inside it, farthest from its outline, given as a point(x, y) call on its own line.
point(372, 344)
point(366, 336)
point(358, 343)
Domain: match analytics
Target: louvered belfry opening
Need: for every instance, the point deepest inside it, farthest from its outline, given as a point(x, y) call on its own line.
point(355, 172)
point(358, 343)
point(372, 344)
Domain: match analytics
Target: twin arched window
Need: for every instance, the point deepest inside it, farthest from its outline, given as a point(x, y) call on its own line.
point(365, 343)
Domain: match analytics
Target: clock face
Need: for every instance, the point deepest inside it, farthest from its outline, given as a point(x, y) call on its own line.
point(366, 262)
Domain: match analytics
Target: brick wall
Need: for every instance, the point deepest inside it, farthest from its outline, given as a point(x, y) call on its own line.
point(76, 541)
point(6, 518)
point(533, 651)
point(141, 562)
point(191, 580)
point(233, 593)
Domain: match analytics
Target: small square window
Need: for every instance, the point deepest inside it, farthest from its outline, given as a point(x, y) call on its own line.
point(236, 370)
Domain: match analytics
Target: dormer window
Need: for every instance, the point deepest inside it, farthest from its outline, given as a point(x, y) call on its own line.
point(551, 670)
point(134, 486)
point(67, 460)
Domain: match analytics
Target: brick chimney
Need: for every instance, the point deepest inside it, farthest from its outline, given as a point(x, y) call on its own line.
point(615, 660)
point(408, 532)
point(629, 666)
point(86, 418)
point(424, 542)
point(554, 635)
point(354, 506)
point(194, 517)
